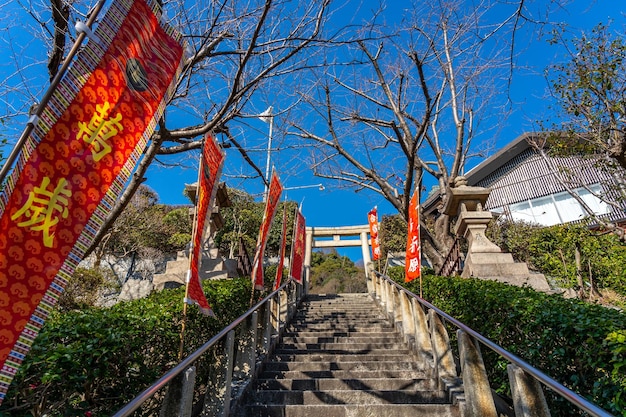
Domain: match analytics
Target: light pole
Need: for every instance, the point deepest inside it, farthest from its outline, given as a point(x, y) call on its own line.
point(268, 117)
point(319, 186)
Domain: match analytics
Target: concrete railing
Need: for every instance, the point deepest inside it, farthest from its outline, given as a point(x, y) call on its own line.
point(422, 326)
point(231, 357)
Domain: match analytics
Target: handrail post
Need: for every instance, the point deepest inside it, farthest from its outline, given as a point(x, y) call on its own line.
point(389, 301)
point(408, 324)
point(478, 396)
point(229, 352)
point(283, 310)
point(445, 368)
point(252, 344)
point(267, 333)
point(217, 400)
point(528, 397)
point(397, 309)
point(377, 296)
point(179, 396)
point(423, 344)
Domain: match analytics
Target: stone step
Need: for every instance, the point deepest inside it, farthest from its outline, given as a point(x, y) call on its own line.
point(338, 333)
point(326, 384)
point(373, 352)
point(313, 317)
point(341, 357)
point(347, 347)
point(350, 397)
point(353, 374)
point(342, 327)
point(341, 366)
point(381, 356)
point(317, 318)
point(326, 340)
point(355, 410)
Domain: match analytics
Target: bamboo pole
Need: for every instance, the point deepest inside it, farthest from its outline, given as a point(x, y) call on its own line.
point(30, 125)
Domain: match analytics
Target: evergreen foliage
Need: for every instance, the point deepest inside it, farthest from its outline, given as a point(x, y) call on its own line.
point(552, 251)
point(393, 234)
point(333, 273)
point(243, 219)
point(95, 360)
point(581, 345)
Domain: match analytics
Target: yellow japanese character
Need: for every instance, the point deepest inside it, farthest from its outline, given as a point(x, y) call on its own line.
point(43, 208)
point(99, 130)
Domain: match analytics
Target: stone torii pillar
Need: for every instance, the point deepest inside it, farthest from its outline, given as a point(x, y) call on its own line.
point(336, 234)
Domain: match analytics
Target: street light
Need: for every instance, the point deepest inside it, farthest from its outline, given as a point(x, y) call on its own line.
point(319, 186)
point(268, 117)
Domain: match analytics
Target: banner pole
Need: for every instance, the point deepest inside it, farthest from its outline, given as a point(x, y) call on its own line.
point(419, 250)
point(30, 125)
point(194, 231)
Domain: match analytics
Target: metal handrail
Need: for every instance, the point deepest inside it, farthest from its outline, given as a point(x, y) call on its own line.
point(554, 385)
point(185, 363)
point(452, 262)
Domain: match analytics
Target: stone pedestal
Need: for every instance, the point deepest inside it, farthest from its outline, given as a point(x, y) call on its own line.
point(484, 258)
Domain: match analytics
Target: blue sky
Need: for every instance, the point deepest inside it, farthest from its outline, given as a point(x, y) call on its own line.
point(335, 205)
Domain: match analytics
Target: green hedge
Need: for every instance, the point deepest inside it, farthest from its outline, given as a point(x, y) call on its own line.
point(92, 362)
point(583, 346)
point(551, 250)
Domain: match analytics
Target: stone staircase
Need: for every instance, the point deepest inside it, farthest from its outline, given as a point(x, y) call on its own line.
point(339, 357)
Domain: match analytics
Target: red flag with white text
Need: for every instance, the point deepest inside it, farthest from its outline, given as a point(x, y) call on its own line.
point(372, 219)
point(283, 244)
point(271, 204)
point(412, 268)
point(75, 164)
point(210, 168)
point(298, 247)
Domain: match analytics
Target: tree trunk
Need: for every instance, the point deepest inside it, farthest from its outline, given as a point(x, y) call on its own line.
point(579, 274)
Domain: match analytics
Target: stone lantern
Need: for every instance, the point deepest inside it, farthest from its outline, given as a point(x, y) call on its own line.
point(484, 258)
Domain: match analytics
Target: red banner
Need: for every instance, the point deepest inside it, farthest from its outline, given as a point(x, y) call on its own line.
point(283, 244)
point(209, 172)
point(275, 191)
point(75, 163)
point(412, 268)
point(298, 247)
point(372, 218)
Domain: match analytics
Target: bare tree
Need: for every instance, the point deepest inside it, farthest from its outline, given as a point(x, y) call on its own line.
point(406, 103)
point(234, 49)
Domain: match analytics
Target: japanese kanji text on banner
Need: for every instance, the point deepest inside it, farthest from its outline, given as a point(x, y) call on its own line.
point(372, 218)
point(75, 163)
point(413, 249)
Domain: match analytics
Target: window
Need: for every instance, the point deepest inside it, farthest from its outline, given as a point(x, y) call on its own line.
point(559, 208)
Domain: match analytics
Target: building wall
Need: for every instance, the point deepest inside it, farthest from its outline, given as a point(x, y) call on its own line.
point(525, 188)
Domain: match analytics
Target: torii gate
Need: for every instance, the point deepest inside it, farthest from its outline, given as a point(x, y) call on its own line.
point(337, 233)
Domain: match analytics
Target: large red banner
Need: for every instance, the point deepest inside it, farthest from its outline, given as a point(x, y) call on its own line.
point(210, 168)
point(75, 164)
point(298, 247)
point(283, 244)
point(271, 204)
point(412, 268)
point(372, 219)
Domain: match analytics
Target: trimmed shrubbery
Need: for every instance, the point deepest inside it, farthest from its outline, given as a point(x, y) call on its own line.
point(93, 361)
point(552, 251)
point(581, 345)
